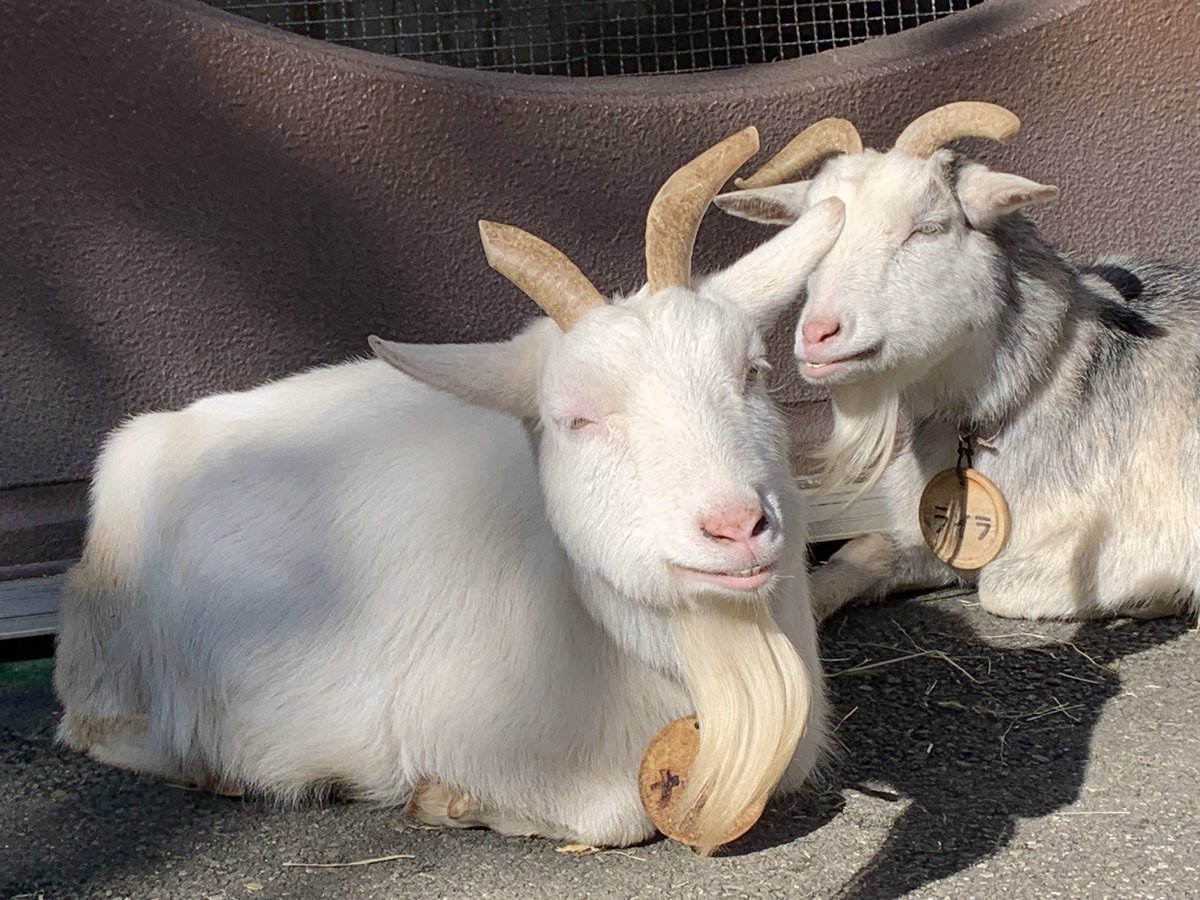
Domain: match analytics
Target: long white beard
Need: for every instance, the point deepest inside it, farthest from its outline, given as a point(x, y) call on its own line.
point(753, 696)
point(865, 419)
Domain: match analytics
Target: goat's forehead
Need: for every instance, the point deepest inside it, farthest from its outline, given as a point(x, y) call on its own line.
point(881, 182)
point(674, 334)
point(682, 323)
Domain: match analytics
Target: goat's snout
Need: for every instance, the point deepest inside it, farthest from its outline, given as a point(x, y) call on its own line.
point(820, 329)
point(737, 525)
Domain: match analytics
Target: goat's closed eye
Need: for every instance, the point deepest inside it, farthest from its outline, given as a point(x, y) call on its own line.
point(926, 228)
point(575, 423)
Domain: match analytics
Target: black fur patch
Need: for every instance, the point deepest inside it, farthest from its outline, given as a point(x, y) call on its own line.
point(1122, 279)
point(1118, 317)
point(1126, 329)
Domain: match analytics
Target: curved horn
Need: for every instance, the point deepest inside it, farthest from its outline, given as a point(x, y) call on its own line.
point(817, 140)
point(675, 214)
point(967, 118)
point(544, 273)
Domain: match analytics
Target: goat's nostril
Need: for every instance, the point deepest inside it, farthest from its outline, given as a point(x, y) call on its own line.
point(819, 330)
point(737, 525)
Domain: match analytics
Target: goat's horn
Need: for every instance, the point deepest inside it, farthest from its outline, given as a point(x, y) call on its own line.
point(817, 140)
point(544, 273)
point(674, 216)
point(967, 118)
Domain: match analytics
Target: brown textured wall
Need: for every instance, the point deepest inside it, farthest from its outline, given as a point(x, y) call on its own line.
point(190, 202)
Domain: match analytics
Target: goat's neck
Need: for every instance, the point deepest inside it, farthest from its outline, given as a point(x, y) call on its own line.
point(646, 632)
point(995, 374)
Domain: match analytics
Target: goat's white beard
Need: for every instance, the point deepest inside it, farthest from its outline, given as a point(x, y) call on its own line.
point(865, 418)
point(752, 695)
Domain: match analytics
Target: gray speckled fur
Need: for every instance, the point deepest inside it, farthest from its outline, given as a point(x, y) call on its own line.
point(1091, 388)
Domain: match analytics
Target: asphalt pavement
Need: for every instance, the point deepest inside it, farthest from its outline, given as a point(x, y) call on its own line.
point(978, 757)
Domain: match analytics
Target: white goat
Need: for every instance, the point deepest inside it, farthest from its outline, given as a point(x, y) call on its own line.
point(941, 301)
point(351, 579)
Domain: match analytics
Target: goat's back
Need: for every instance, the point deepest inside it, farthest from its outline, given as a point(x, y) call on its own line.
point(291, 582)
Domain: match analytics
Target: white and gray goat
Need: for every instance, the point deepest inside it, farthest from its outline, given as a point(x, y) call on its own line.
point(352, 579)
point(941, 302)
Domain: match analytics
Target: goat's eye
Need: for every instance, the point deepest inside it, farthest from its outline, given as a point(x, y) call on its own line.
point(577, 422)
point(928, 228)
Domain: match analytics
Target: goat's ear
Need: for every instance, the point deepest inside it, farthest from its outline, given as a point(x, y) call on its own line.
point(779, 205)
point(986, 195)
point(773, 275)
point(501, 376)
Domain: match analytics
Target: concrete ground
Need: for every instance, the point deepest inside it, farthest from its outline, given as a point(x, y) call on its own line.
point(980, 758)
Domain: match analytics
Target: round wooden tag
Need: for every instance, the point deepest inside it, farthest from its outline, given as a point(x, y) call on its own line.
point(964, 518)
point(663, 776)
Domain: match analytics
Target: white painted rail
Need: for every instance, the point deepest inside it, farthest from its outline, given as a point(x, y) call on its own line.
point(29, 606)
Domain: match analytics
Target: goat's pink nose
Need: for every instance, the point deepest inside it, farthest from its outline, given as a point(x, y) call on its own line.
point(818, 330)
point(736, 525)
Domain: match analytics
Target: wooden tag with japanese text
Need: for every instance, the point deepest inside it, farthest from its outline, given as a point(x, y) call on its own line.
point(663, 776)
point(964, 518)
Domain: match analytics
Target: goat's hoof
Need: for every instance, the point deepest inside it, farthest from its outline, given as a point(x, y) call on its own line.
point(220, 788)
point(211, 784)
point(224, 787)
point(436, 803)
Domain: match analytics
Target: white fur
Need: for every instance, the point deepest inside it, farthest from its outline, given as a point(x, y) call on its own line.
point(979, 326)
point(350, 579)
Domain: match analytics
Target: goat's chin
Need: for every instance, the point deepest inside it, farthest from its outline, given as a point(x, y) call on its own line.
point(865, 417)
point(752, 695)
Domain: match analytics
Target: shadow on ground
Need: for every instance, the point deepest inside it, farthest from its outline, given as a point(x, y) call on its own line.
point(973, 727)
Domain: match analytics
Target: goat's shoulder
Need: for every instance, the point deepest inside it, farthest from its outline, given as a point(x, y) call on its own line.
point(1139, 324)
point(1148, 287)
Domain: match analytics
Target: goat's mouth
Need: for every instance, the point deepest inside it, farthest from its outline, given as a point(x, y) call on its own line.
point(820, 370)
point(748, 579)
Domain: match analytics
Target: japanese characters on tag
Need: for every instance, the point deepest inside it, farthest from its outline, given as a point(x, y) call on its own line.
point(964, 518)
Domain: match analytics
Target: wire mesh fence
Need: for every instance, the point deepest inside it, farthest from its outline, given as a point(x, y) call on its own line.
point(595, 37)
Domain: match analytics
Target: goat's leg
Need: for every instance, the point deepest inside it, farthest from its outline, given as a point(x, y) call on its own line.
point(1083, 573)
point(870, 567)
point(605, 816)
point(437, 803)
